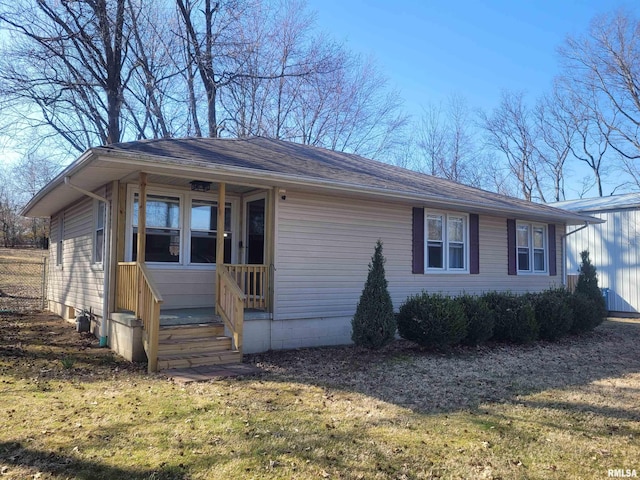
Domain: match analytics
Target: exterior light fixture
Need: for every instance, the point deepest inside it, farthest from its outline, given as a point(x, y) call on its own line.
point(200, 186)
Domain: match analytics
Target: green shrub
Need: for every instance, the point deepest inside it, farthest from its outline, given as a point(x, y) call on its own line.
point(480, 321)
point(434, 320)
point(374, 323)
point(586, 313)
point(554, 313)
point(587, 286)
point(515, 319)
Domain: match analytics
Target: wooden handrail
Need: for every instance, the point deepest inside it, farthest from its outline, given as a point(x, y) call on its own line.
point(137, 292)
point(152, 286)
point(230, 304)
point(254, 283)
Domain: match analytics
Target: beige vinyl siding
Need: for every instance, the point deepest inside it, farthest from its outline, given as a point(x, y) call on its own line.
point(324, 246)
point(77, 282)
point(184, 288)
point(614, 249)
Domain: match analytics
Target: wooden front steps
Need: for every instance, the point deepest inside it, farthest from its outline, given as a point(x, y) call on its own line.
point(194, 345)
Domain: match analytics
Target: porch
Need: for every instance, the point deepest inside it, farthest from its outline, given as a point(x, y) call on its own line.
point(195, 314)
point(191, 337)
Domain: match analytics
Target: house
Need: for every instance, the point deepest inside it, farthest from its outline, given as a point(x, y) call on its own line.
point(614, 247)
point(138, 240)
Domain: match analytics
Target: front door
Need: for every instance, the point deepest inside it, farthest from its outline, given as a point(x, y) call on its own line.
point(255, 214)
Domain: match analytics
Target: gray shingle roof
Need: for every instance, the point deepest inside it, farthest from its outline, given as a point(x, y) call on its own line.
point(269, 162)
point(313, 163)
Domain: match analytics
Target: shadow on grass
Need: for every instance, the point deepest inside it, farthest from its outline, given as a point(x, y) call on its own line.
point(15, 454)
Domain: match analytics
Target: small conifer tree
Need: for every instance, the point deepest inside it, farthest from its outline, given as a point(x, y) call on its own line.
point(588, 280)
point(588, 318)
point(374, 323)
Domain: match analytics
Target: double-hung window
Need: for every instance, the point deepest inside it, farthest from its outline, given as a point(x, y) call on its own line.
point(204, 235)
point(531, 248)
point(163, 228)
point(98, 236)
point(446, 242)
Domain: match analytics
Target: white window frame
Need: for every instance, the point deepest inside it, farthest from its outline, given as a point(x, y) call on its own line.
point(532, 249)
point(188, 210)
point(446, 242)
point(96, 228)
point(186, 198)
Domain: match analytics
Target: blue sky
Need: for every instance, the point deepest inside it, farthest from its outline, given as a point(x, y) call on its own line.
point(431, 49)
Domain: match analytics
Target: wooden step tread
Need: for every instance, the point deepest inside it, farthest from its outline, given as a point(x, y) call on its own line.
point(169, 333)
point(192, 340)
point(197, 360)
point(192, 325)
point(194, 346)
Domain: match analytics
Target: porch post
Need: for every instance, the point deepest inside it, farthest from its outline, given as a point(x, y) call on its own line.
point(220, 238)
point(142, 237)
point(220, 227)
point(142, 217)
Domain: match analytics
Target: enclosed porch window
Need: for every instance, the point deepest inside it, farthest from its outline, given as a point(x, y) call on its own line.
point(204, 237)
point(181, 228)
point(163, 228)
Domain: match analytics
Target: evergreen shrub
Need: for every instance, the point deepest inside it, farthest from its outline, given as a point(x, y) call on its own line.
point(480, 320)
point(374, 323)
point(515, 319)
point(554, 313)
point(587, 315)
point(432, 320)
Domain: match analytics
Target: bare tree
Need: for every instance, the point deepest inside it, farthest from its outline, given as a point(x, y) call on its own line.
point(556, 129)
point(28, 176)
point(447, 141)
point(65, 64)
point(605, 63)
point(509, 130)
point(10, 227)
point(350, 109)
point(212, 33)
point(102, 71)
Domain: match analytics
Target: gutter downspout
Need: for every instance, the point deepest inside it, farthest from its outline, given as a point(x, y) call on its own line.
point(564, 251)
point(105, 261)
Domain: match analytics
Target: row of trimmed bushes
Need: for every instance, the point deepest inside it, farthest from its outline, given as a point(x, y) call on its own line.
point(439, 321)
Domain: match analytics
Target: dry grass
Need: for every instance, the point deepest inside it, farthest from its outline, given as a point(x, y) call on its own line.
point(21, 279)
point(565, 410)
point(23, 254)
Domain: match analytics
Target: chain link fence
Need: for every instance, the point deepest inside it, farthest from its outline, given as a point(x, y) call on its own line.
point(23, 285)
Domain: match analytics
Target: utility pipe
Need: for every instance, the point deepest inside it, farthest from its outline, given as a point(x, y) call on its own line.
point(106, 263)
point(564, 251)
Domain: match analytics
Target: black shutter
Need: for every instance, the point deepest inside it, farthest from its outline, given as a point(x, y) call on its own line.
point(418, 240)
point(511, 246)
point(553, 269)
point(474, 244)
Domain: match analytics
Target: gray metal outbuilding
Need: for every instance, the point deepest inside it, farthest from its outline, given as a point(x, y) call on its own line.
point(614, 247)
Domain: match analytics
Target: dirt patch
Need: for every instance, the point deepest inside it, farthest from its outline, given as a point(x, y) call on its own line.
point(43, 346)
point(463, 378)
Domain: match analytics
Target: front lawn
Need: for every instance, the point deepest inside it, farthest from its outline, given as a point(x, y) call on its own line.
point(548, 410)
